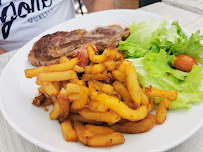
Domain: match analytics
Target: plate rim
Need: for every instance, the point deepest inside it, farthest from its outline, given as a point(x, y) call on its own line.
point(48, 147)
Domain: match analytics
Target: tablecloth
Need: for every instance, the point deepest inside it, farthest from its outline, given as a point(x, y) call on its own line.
point(10, 141)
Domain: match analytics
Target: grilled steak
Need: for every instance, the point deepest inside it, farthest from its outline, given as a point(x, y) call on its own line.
point(50, 48)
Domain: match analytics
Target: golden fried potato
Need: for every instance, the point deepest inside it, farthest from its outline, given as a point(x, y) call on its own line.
point(77, 81)
point(93, 57)
point(109, 117)
point(78, 69)
point(81, 102)
point(69, 134)
point(50, 88)
point(63, 59)
point(120, 108)
point(73, 88)
point(73, 96)
point(118, 75)
point(123, 65)
point(57, 76)
point(169, 94)
point(116, 95)
point(29, 73)
point(42, 90)
point(55, 112)
point(162, 110)
point(64, 105)
point(38, 100)
point(75, 117)
point(79, 128)
point(144, 99)
point(47, 102)
point(99, 130)
point(111, 65)
point(136, 127)
point(115, 138)
point(133, 85)
point(98, 68)
point(151, 105)
point(103, 87)
point(88, 69)
point(88, 77)
point(122, 90)
point(97, 106)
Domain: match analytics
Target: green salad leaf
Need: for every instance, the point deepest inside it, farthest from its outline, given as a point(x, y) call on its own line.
point(164, 77)
point(152, 48)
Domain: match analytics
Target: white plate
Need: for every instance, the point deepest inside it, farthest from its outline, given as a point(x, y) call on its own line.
point(17, 92)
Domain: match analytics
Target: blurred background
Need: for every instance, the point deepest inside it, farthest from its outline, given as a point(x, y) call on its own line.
point(118, 4)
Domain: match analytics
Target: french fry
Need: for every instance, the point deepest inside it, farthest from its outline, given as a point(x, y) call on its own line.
point(47, 102)
point(77, 81)
point(73, 96)
point(162, 111)
point(99, 130)
point(69, 134)
point(151, 105)
point(91, 86)
point(29, 73)
point(153, 92)
point(78, 69)
point(118, 75)
point(133, 85)
point(119, 56)
point(106, 140)
point(64, 105)
point(144, 98)
point(88, 69)
point(55, 112)
point(81, 102)
point(42, 90)
point(93, 57)
point(122, 90)
point(73, 88)
point(98, 68)
point(120, 108)
point(136, 127)
point(109, 117)
point(110, 54)
point(123, 65)
point(50, 88)
point(38, 100)
point(87, 77)
point(97, 106)
point(111, 65)
point(103, 87)
point(79, 128)
point(116, 95)
point(63, 59)
point(75, 117)
point(57, 76)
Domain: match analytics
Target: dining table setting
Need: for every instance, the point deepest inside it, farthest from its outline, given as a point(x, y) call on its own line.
point(188, 13)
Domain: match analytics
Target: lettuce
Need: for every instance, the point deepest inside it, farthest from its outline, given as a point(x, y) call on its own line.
point(152, 48)
point(151, 37)
point(155, 69)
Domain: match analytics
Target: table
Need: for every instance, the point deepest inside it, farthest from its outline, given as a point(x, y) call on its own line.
point(10, 141)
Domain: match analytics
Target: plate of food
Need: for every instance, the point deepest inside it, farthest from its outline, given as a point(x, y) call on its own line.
point(118, 80)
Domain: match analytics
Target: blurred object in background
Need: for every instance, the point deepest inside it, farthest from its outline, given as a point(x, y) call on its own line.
point(132, 4)
point(147, 2)
point(126, 4)
point(80, 8)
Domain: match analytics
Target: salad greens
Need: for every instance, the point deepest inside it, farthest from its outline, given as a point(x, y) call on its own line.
point(152, 48)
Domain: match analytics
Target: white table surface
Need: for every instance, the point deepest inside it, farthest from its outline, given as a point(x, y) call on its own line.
point(10, 141)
